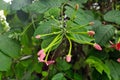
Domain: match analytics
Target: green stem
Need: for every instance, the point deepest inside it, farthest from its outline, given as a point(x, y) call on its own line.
point(55, 39)
point(79, 27)
point(77, 32)
point(42, 35)
point(70, 48)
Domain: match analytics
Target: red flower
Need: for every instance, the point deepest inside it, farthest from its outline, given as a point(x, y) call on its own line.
point(68, 58)
point(117, 46)
point(97, 46)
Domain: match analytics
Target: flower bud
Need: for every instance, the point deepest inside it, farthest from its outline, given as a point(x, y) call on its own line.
point(97, 46)
point(91, 23)
point(76, 6)
point(68, 58)
point(118, 60)
point(37, 37)
point(91, 33)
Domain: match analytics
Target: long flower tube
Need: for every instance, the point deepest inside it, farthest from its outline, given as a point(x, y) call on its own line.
point(43, 35)
point(68, 56)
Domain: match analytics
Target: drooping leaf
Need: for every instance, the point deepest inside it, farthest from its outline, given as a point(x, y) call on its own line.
point(104, 33)
point(5, 62)
point(9, 46)
point(113, 16)
point(59, 76)
point(99, 65)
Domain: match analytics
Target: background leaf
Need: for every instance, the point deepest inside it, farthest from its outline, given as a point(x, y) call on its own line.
point(59, 76)
point(104, 33)
point(5, 62)
point(113, 16)
point(9, 46)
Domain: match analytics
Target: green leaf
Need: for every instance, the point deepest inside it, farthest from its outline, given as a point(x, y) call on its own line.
point(4, 5)
point(114, 68)
point(44, 27)
point(113, 16)
point(81, 38)
point(62, 65)
point(104, 33)
point(55, 11)
point(5, 62)
point(59, 76)
point(36, 7)
point(99, 65)
point(9, 46)
point(80, 17)
point(52, 3)
point(18, 4)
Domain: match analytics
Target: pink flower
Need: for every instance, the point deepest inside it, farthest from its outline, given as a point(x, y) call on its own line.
point(117, 46)
point(97, 46)
point(49, 62)
point(118, 60)
point(40, 52)
point(37, 37)
point(91, 33)
point(41, 55)
point(68, 58)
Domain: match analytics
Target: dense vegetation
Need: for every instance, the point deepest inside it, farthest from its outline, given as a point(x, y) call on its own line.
point(60, 40)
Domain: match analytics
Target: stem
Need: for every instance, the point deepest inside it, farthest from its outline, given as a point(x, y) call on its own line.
point(55, 39)
point(78, 27)
point(70, 48)
point(78, 32)
point(42, 35)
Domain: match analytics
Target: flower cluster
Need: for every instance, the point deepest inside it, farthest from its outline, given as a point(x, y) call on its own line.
point(44, 53)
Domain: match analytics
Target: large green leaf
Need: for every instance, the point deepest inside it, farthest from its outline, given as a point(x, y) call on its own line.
point(9, 46)
point(115, 69)
point(5, 62)
point(104, 33)
point(113, 16)
point(99, 65)
point(59, 76)
point(18, 4)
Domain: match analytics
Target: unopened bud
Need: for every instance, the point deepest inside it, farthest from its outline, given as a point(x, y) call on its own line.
point(91, 23)
point(91, 33)
point(118, 60)
point(97, 46)
point(76, 6)
point(68, 58)
point(37, 37)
